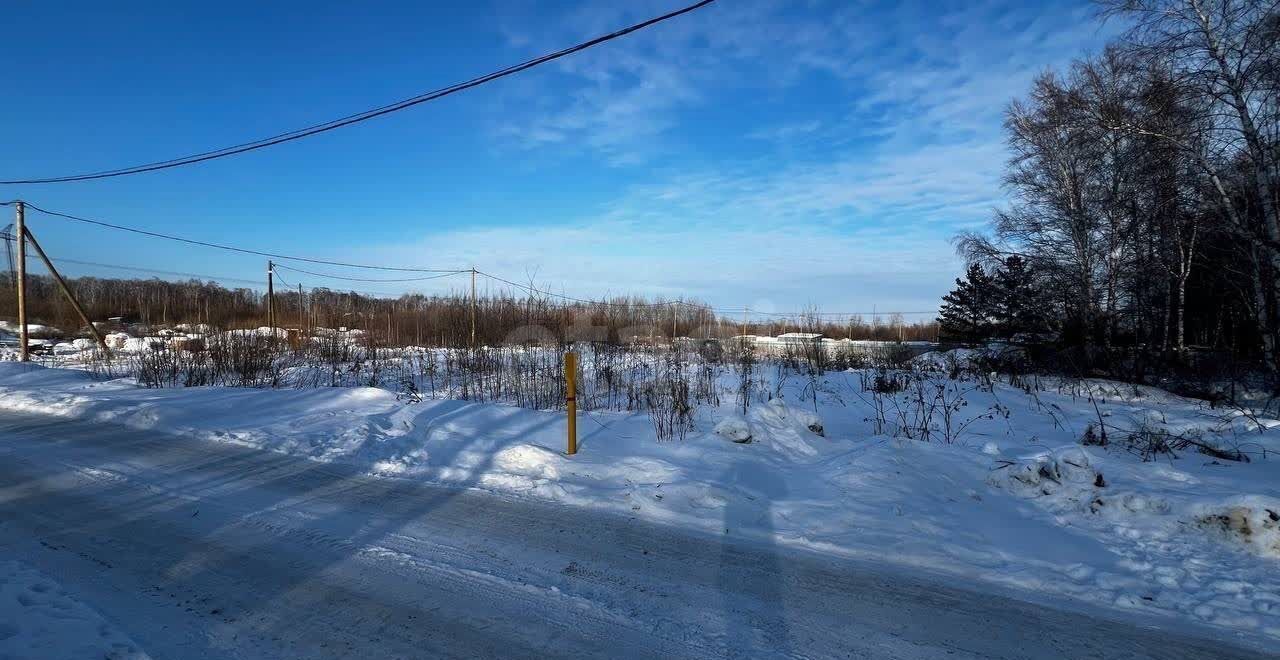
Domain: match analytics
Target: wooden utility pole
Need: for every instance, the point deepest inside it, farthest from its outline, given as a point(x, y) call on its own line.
point(66, 291)
point(571, 400)
point(271, 297)
point(473, 306)
point(20, 227)
point(744, 322)
point(302, 313)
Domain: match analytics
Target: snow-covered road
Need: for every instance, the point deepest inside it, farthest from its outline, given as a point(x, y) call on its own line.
point(197, 549)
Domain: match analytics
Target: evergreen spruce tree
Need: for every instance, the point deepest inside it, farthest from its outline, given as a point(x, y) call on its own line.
point(1018, 307)
point(967, 311)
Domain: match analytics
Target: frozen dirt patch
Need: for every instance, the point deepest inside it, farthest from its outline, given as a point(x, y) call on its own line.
point(1252, 521)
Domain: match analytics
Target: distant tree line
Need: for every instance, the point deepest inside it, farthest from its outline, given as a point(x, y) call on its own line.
point(1145, 184)
point(416, 319)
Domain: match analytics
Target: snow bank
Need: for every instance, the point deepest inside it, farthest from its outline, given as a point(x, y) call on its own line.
point(38, 619)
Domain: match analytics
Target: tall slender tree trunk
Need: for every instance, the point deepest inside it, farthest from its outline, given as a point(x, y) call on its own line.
point(1263, 178)
point(1181, 310)
point(1165, 330)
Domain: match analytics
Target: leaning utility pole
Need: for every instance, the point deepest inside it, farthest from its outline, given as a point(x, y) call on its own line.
point(271, 297)
point(473, 306)
point(66, 291)
point(20, 228)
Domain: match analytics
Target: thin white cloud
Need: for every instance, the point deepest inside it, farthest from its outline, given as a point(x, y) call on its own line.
point(832, 235)
point(849, 209)
point(788, 266)
point(911, 73)
point(785, 132)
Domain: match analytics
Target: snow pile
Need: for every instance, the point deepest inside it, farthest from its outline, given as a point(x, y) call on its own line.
point(784, 429)
point(194, 328)
point(116, 340)
point(952, 360)
point(1046, 473)
point(1253, 521)
point(1015, 501)
point(734, 428)
point(38, 619)
point(142, 344)
point(810, 421)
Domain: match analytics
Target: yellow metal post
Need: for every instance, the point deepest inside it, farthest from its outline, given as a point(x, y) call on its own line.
point(570, 397)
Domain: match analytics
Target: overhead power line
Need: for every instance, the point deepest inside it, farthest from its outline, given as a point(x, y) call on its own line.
point(202, 276)
point(153, 271)
point(361, 116)
point(231, 248)
point(332, 276)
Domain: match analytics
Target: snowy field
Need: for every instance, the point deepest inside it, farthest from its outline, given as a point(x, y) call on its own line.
point(968, 478)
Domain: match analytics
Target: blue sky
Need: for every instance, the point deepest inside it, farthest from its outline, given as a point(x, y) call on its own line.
point(768, 153)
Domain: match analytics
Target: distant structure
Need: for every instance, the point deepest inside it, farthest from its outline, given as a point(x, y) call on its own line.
point(791, 342)
point(799, 338)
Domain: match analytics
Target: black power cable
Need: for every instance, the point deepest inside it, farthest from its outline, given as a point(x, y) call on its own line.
point(361, 116)
point(231, 248)
point(368, 279)
point(441, 273)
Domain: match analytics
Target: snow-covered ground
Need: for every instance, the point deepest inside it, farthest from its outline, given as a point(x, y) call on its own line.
point(207, 550)
point(1002, 494)
point(39, 619)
